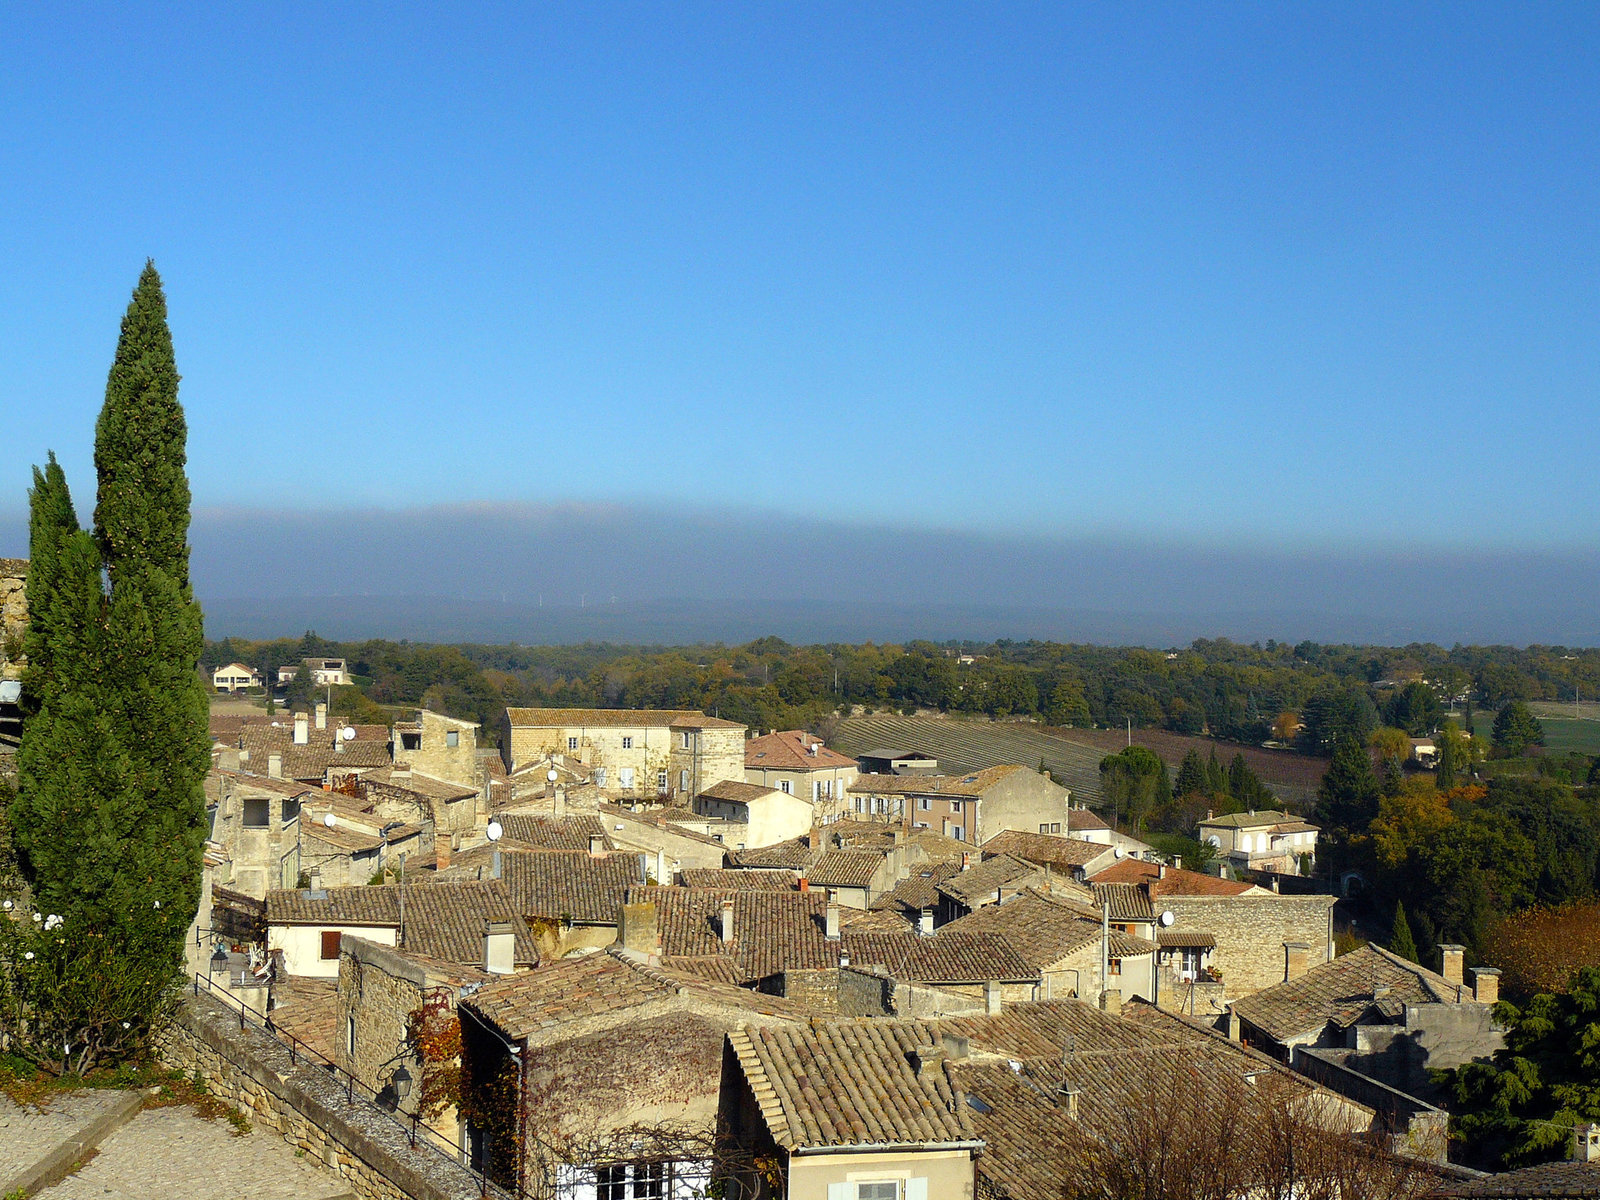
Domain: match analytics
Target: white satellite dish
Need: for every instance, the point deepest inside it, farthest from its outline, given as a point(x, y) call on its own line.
point(348, 733)
point(1117, 852)
point(552, 775)
point(328, 819)
point(1166, 919)
point(494, 831)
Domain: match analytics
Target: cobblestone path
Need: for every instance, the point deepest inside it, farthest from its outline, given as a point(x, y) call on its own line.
point(28, 1134)
point(174, 1154)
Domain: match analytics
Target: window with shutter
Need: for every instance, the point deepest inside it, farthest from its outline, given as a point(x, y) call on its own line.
point(330, 944)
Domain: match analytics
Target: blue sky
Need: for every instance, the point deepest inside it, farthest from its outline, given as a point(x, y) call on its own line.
point(1262, 275)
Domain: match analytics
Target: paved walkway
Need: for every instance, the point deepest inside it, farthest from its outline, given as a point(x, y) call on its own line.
point(175, 1154)
point(28, 1135)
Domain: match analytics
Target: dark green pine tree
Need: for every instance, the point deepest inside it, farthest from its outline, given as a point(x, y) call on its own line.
point(1347, 798)
point(153, 632)
point(1216, 777)
point(1400, 940)
point(1191, 775)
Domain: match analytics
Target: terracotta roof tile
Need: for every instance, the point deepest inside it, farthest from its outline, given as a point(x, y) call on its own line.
point(786, 750)
point(750, 880)
point(1172, 881)
point(1062, 853)
point(626, 718)
point(980, 883)
point(443, 920)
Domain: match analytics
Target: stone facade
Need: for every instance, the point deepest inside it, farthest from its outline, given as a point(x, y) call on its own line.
point(310, 1108)
point(14, 616)
point(639, 755)
point(1252, 931)
point(439, 746)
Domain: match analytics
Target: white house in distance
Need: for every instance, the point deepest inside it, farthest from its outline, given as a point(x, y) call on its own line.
point(325, 672)
point(1260, 841)
point(235, 677)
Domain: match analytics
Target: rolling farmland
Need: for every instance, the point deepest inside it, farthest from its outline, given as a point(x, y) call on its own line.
point(1071, 757)
point(962, 746)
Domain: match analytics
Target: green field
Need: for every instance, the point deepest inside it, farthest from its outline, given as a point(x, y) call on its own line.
point(1563, 732)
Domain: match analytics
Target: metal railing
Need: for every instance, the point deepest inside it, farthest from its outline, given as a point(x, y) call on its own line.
point(417, 1132)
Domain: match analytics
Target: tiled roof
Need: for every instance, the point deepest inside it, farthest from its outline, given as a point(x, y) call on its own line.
point(737, 792)
point(421, 785)
point(1002, 872)
point(615, 815)
point(1531, 1183)
point(1063, 853)
point(1041, 928)
point(844, 868)
point(537, 1004)
point(626, 718)
point(786, 751)
point(1249, 820)
point(751, 880)
point(943, 958)
point(312, 760)
point(792, 854)
point(773, 931)
point(1080, 820)
point(849, 1084)
point(308, 1009)
point(444, 920)
point(1124, 901)
point(919, 890)
point(1172, 881)
point(571, 886)
point(1184, 939)
point(1341, 991)
point(550, 832)
point(974, 784)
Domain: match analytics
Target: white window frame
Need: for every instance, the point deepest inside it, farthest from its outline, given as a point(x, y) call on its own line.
point(627, 743)
point(572, 743)
point(625, 777)
point(786, 787)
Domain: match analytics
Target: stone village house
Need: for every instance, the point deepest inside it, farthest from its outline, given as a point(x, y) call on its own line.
point(636, 753)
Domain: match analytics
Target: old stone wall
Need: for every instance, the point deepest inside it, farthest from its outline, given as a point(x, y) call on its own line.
point(1251, 932)
point(864, 992)
point(1417, 1129)
point(13, 614)
point(436, 757)
point(818, 990)
point(309, 1107)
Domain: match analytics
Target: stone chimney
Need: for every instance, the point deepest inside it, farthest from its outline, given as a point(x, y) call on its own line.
point(925, 922)
point(1296, 958)
point(956, 1047)
point(441, 853)
point(926, 1060)
point(597, 845)
point(322, 714)
point(638, 928)
point(1177, 862)
point(1111, 1001)
point(1486, 984)
point(499, 948)
point(966, 859)
point(727, 922)
point(1067, 1098)
point(992, 1001)
point(1586, 1143)
point(302, 735)
point(1451, 962)
point(1234, 1031)
point(831, 917)
point(494, 864)
point(1273, 883)
point(1161, 871)
point(275, 766)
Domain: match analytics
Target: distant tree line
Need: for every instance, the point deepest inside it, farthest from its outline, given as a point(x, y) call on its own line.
point(1308, 695)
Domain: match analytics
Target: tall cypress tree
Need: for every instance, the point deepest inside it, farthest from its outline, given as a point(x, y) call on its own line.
point(1400, 940)
point(153, 625)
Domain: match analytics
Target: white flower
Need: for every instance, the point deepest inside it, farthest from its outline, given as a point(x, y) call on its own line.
point(29, 954)
point(9, 904)
point(54, 921)
point(38, 917)
point(124, 1024)
point(158, 904)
